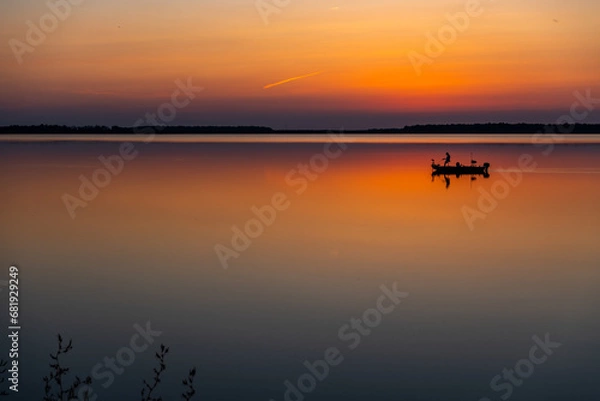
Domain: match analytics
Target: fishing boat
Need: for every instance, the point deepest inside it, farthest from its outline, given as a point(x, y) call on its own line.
point(460, 169)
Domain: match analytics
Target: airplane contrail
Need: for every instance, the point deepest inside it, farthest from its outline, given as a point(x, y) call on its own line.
point(285, 81)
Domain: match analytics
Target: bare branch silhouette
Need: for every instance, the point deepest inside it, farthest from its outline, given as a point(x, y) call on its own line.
point(148, 388)
point(189, 386)
point(55, 388)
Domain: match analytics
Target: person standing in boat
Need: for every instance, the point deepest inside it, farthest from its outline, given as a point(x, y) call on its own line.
point(447, 159)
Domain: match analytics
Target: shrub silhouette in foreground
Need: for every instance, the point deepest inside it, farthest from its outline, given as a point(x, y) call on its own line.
point(55, 388)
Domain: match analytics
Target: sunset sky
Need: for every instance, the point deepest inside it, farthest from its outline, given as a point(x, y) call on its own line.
point(110, 62)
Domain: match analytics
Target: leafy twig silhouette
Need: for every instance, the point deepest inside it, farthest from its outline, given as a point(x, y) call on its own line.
point(148, 388)
point(54, 387)
point(3, 370)
point(189, 386)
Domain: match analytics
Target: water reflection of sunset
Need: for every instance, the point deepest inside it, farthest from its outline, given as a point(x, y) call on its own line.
point(145, 248)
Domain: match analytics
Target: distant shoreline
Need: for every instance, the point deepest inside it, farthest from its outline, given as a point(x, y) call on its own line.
point(490, 128)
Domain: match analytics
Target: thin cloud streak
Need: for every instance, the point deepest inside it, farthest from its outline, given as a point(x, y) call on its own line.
point(285, 81)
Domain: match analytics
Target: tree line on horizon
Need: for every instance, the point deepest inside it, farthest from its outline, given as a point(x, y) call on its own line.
point(485, 128)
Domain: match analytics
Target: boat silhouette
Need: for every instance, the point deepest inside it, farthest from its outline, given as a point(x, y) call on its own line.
point(459, 169)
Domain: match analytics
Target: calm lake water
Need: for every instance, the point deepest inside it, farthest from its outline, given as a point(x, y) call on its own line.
point(484, 265)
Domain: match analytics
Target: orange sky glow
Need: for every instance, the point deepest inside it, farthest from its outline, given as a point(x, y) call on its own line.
point(113, 60)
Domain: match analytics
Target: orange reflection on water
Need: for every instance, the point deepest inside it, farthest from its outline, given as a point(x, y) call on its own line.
point(373, 201)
